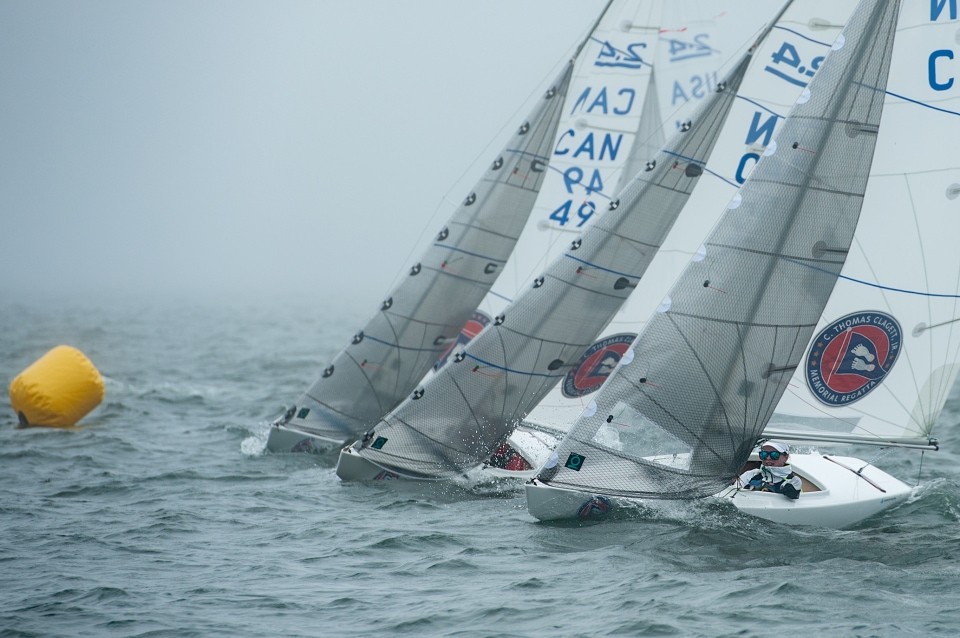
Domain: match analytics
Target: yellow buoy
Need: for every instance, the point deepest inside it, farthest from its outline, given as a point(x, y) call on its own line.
point(57, 390)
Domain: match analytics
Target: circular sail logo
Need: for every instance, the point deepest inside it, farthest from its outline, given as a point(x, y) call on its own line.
point(852, 356)
point(596, 364)
point(473, 327)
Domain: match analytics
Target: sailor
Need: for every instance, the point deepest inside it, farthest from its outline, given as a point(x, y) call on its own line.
point(774, 473)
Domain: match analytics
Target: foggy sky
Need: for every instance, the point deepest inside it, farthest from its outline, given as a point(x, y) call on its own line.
point(252, 148)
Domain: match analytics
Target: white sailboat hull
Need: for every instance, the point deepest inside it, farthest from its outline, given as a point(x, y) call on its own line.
point(353, 467)
point(838, 492)
point(283, 439)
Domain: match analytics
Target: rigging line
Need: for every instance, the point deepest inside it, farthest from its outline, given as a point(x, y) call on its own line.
point(399, 347)
point(760, 106)
point(586, 188)
point(920, 471)
point(929, 106)
point(497, 294)
point(517, 151)
point(872, 285)
point(911, 100)
point(467, 252)
point(684, 157)
point(926, 273)
point(797, 33)
point(615, 272)
point(531, 374)
point(721, 177)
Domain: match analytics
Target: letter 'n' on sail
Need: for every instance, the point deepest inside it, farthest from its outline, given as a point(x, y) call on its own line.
point(470, 407)
point(709, 368)
point(383, 362)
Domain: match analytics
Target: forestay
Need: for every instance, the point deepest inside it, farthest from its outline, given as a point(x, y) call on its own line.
point(681, 417)
point(423, 315)
point(463, 413)
point(885, 351)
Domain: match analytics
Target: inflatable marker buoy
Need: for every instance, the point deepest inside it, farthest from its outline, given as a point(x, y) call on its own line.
point(57, 390)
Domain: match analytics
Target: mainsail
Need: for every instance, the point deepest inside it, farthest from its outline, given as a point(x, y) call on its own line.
point(423, 315)
point(679, 417)
point(885, 352)
point(462, 414)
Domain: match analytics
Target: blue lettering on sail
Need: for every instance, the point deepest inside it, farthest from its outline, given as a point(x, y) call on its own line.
point(698, 86)
point(600, 100)
point(788, 62)
point(608, 147)
point(622, 104)
point(757, 129)
point(678, 93)
point(680, 50)
point(740, 176)
point(937, 7)
point(584, 212)
point(585, 147)
point(628, 92)
point(932, 70)
point(571, 177)
point(580, 100)
point(563, 150)
point(630, 58)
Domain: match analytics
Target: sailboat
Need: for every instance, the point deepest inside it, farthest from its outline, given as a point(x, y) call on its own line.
point(681, 415)
point(460, 416)
point(764, 98)
point(424, 314)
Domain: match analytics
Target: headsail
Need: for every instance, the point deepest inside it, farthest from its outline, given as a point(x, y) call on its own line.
point(706, 373)
point(886, 350)
point(461, 415)
point(423, 315)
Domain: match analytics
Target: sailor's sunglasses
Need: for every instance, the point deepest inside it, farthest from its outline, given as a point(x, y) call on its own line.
point(764, 455)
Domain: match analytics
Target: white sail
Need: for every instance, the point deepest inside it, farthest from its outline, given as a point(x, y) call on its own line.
point(596, 132)
point(885, 352)
point(785, 62)
point(681, 418)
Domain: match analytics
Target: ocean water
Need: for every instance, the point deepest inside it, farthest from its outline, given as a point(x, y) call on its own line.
point(163, 516)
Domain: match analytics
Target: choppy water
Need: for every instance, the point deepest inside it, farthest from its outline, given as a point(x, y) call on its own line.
point(164, 518)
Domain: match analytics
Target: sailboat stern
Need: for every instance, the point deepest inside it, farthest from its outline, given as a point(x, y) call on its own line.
point(842, 492)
